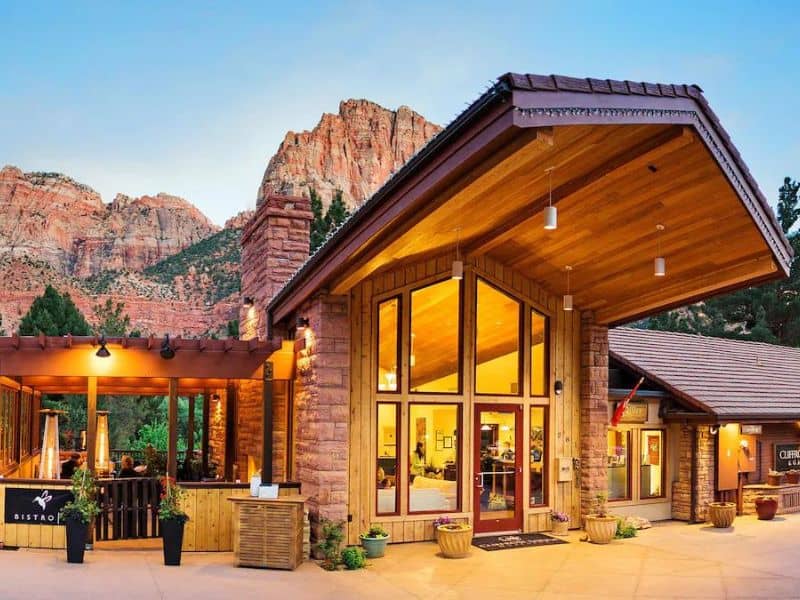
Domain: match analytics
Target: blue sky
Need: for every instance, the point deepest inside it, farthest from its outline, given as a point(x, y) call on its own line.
point(193, 98)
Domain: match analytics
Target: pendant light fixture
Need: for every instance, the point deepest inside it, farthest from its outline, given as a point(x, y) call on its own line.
point(568, 296)
point(103, 351)
point(550, 211)
point(660, 263)
point(458, 264)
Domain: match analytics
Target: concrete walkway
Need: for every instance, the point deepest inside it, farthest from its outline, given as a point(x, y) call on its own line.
point(752, 560)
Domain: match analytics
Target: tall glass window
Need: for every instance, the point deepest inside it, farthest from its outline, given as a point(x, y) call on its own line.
point(497, 342)
point(651, 481)
point(388, 458)
point(388, 345)
point(433, 441)
point(539, 458)
point(434, 347)
point(539, 365)
point(618, 465)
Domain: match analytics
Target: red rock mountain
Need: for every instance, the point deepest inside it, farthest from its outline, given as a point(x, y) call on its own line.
point(354, 151)
point(174, 270)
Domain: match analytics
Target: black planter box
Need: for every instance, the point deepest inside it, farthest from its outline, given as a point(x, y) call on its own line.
point(172, 534)
point(76, 540)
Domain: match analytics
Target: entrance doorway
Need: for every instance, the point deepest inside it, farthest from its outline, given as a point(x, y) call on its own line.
point(498, 467)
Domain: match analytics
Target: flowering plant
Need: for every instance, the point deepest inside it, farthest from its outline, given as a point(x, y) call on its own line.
point(443, 520)
point(561, 517)
point(172, 495)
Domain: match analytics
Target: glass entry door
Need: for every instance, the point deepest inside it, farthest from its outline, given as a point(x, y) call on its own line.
point(497, 463)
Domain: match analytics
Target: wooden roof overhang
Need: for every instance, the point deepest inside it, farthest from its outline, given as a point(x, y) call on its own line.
point(627, 157)
point(135, 366)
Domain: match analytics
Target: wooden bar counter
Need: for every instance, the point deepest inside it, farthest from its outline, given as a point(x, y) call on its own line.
point(268, 533)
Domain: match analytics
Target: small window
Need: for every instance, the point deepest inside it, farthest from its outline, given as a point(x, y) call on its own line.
point(652, 478)
point(435, 344)
point(539, 457)
point(539, 354)
point(434, 469)
point(619, 465)
point(497, 342)
point(388, 465)
point(388, 345)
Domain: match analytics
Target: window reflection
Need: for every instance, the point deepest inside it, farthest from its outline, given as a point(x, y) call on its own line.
point(387, 461)
point(434, 431)
point(618, 462)
point(434, 344)
point(538, 354)
point(388, 329)
point(652, 476)
point(497, 342)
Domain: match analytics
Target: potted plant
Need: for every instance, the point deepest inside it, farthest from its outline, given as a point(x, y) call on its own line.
point(775, 477)
point(559, 522)
point(722, 514)
point(78, 514)
point(443, 520)
point(455, 539)
point(766, 507)
point(374, 541)
point(600, 527)
point(173, 518)
point(793, 476)
point(353, 558)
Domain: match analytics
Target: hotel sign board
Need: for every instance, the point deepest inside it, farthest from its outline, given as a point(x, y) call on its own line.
point(35, 506)
point(787, 457)
point(635, 412)
point(751, 429)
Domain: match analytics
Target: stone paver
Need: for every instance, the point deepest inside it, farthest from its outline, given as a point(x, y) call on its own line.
point(752, 560)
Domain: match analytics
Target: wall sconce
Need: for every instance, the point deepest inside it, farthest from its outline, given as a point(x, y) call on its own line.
point(103, 351)
point(247, 302)
point(167, 353)
point(102, 459)
point(558, 387)
point(50, 461)
point(302, 323)
point(215, 397)
point(713, 430)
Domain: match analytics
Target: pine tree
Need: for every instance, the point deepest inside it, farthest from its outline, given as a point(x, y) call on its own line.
point(111, 319)
point(53, 314)
point(788, 212)
point(319, 229)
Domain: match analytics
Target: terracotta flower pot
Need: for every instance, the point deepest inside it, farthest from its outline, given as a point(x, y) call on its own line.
point(766, 507)
point(560, 527)
point(455, 542)
point(722, 514)
point(775, 479)
point(601, 530)
point(793, 477)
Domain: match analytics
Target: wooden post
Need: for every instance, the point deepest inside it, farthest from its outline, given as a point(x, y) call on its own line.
point(206, 423)
point(190, 428)
point(230, 431)
point(91, 422)
point(268, 427)
point(172, 439)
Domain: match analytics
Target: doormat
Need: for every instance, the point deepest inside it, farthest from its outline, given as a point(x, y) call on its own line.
point(514, 540)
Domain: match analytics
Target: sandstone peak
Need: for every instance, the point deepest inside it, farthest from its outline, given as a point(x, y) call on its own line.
point(354, 151)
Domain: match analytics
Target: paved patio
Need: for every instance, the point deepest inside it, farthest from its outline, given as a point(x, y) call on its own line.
point(673, 560)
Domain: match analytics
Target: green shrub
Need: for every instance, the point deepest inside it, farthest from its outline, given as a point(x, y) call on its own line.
point(625, 530)
point(331, 542)
point(354, 558)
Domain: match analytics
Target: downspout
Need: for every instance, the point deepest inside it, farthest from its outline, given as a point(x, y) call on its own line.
point(693, 477)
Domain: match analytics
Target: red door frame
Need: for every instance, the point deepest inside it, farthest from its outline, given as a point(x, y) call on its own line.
point(514, 523)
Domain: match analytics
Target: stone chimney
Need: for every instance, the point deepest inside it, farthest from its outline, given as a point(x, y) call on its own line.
point(275, 243)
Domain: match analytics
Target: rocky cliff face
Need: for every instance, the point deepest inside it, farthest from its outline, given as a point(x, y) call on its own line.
point(51, 217)
point(354, 151)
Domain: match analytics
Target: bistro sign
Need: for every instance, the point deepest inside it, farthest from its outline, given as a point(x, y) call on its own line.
point(787, 457)
point(35, 507)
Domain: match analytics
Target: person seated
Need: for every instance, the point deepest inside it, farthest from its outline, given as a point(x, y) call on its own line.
point(127, 469)
point(68, 467)
point(385, 483)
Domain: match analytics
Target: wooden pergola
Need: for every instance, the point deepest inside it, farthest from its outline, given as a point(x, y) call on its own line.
point(141, 366)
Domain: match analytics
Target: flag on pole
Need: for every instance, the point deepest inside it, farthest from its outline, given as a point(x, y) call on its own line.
point(623, 405)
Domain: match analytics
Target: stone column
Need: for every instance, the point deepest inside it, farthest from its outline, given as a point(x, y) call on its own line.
point(705, 485)
point(682, 487)
point(594, 410)
point(322, 396)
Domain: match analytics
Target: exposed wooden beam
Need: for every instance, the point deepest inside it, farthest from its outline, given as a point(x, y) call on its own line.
point(228, 344)
point(252, 344)
point(203, 344)
point(69, 340)
point(151, 340)
point(42, 340)
point(618, 166)
point(15, 341)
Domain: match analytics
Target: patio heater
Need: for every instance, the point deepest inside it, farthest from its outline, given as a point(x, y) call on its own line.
point(102, 460)
point(50, 462)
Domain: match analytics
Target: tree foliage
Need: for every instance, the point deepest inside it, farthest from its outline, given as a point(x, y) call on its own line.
point(767, 313)
point(111, 319)
point(54, 314)
point(326, 222)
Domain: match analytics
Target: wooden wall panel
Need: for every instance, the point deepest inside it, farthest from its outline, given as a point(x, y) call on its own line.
point(210, 513)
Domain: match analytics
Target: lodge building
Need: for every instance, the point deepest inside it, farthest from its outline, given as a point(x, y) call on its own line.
point(449, 350)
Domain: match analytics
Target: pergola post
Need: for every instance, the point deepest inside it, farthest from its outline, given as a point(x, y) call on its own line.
point(230, 431)
point(172, 438)
point(268, 426)
point(206, 423)
point(190, 428)
point(91, 423)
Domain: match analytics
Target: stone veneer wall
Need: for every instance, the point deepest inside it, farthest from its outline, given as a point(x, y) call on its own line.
point(248, 432)
point(681, 488)
point(704, 490)
point(594, 411)
point(216, 429)
point(322, 399)
point(275, 243)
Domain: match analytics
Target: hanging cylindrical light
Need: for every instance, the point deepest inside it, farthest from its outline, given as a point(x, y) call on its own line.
point(50, 460)
point(458, 264)
point(102, 459)
point(660, 263)
point(550, 211)
point(568, 296)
